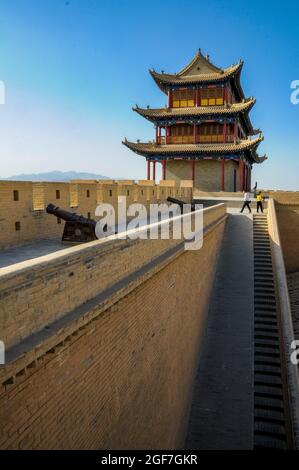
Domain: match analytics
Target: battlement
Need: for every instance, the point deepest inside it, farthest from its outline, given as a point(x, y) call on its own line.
point(22, 208)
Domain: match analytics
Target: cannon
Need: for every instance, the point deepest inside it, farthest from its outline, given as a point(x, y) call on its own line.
point(77, 229)
point(180, 203)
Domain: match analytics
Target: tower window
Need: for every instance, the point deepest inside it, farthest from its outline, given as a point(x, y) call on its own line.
point(17, 226)
point(57, 194)
point(183, 98)
point(128, 192)
point(110, 192)
point(211, 96)
point(16, 195)
point(87, 193)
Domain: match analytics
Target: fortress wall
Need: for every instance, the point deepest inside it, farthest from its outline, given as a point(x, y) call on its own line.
point(36, 292)
point(25, 220)
point(287, 209)
point(118, 371)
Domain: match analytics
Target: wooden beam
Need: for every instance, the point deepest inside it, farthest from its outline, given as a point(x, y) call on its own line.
point(163, 169)
point(154, 171)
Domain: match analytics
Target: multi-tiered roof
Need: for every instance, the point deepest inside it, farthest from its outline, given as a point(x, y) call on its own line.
point(200, 75)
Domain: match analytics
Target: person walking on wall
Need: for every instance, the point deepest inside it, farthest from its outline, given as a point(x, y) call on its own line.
point(246, 201)
point(259, 202)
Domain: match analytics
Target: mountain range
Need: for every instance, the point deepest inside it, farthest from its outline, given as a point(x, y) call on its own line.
point(56, 176)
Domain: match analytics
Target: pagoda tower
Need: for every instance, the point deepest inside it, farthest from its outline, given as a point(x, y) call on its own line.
point(204, 133)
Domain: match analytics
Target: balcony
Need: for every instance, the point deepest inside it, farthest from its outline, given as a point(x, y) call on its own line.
point(199, 139)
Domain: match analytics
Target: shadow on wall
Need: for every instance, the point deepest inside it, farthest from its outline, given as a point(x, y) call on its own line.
point(288, 222)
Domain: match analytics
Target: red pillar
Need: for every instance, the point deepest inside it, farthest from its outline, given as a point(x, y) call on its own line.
point(222, 173)
point(154, 171)
point(166, 134)
point(224, 94)
point(156, 134)
point(196, 97)
point(194, 133)
point(224, 131)
point(148, 169)
point(163, 169)
point(193, 170)
point(235, 130)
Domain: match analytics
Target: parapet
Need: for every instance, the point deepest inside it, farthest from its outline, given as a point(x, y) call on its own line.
point(22, 209)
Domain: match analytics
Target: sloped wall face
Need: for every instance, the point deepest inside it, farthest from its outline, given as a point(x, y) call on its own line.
point(287, 210)
point(288, 222)
point(121, 375)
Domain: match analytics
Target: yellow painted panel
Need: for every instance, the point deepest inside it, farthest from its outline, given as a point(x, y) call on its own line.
point(204, 102)
point(190, 102)
point(212, 101)
point(183, 103)
point(176, 104)
point(219, 101)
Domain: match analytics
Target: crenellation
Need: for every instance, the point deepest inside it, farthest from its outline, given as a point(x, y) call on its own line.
point(22, 210)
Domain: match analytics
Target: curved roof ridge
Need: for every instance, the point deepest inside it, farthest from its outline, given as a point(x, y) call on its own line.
point(196, 110)
point(164, 78)
point(151, 148)
point(198, 56)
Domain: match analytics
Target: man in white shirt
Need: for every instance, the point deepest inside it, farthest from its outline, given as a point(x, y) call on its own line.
point(246, 201)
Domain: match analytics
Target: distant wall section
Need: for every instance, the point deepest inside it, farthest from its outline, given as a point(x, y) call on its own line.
point(22, 204)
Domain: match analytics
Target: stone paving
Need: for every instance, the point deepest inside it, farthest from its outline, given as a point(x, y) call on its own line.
point(222, 406)
point(28, 251)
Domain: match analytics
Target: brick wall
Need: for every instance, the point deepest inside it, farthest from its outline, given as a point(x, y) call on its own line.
point(114, 371)
point(288, 222)
point(22, 204)
point(287, 210)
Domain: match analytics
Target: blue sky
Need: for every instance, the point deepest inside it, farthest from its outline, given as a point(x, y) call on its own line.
point(73, 70)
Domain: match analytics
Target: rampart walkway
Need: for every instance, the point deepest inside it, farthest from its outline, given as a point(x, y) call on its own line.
point(222, 407)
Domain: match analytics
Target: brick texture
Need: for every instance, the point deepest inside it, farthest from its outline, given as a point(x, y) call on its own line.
point(123, 377)
point(24, 203)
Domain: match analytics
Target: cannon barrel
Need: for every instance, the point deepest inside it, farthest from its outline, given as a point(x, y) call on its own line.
point(69, 216)
point(77, 229)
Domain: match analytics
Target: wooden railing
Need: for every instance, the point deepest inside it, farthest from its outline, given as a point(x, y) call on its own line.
point(199, 139)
